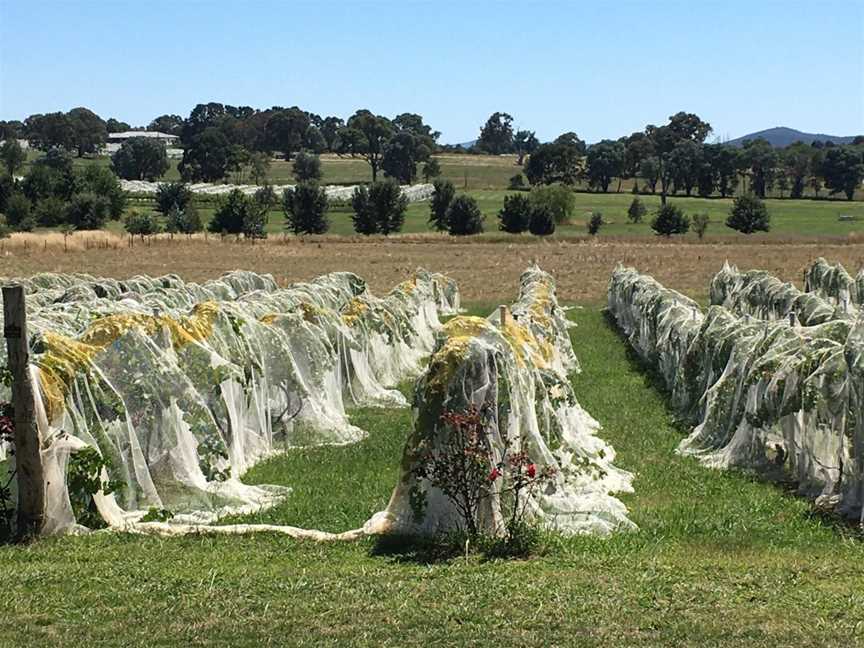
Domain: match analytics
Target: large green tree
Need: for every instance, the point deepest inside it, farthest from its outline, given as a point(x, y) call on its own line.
point(684, 162)
point(140, 158)
point(682, 126)
point(170, 124)
point(89, 131)
point(116, 126)
point(206, 158)
point(723, 160)
point(843, 169)
point(525, 142)
point(401, 156)
point(605, 161)
point(496, 135)
point(286, 129)
point(553, 162)
point(369, 134)
point(761, 158)
point(12, 155)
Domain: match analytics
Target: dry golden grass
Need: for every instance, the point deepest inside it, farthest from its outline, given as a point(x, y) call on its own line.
point(486, 270)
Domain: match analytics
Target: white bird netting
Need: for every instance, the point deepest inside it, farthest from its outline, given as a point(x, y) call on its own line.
point(515, 372)
point(780, 398)
point(182, 387)
point(834, 284)
point(414, 193)
point(762, 295)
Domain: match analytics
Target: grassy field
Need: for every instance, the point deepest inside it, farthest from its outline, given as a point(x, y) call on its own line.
point(790, 218)
point(486, 268)
point(719, 558)
point(467, 172)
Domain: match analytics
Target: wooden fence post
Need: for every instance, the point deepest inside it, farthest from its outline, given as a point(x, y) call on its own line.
point(28, 459)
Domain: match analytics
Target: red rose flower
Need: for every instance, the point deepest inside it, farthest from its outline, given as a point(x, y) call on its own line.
point(532, 470)
point(494, 474)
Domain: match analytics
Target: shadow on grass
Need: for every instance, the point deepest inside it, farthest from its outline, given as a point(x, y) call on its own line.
point(651, 377)
point(417, 549)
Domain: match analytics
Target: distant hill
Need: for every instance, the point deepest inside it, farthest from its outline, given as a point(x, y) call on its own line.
point(781, 136)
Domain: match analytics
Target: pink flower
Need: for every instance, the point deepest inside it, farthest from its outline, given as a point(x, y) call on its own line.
point(532, 470)
point(494, 474)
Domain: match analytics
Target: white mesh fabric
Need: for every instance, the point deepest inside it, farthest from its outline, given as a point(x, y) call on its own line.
point(516, 372)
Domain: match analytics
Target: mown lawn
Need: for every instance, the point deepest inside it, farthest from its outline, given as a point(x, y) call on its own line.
point(720, 559)
point(790, 219)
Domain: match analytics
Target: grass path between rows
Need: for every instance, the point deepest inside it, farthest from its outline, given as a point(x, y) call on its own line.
point(720, 559)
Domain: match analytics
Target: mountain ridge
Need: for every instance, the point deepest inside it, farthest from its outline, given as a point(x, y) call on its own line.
point(781, 136)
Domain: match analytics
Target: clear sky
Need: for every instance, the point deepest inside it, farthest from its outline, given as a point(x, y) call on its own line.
point(601, 69)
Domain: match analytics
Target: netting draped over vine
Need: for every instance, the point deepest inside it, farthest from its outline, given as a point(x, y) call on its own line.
point(834, 284)
point(768, 395)
point(181, 387)
point(515, 373)
point(762, 295)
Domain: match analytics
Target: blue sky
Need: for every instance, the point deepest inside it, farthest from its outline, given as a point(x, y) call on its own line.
point(601, 69)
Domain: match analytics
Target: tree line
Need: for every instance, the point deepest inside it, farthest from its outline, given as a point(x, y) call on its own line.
point(673, 158)
point(220, 140)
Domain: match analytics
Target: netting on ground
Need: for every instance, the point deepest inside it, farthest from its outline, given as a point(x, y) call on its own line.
point(515, 373)
point(181, 387)
point(762, 295)
point(778, 398)
point(834, 284)
point(414, 193)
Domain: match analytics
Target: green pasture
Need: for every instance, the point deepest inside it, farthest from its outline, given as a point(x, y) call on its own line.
point(720, 558)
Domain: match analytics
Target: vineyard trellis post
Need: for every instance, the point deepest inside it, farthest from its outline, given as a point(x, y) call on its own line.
point(28, 459)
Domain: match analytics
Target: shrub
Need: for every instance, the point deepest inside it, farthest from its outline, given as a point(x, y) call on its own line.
point(87, 211)
point(595, 223)
point(467, 445)
point(18, 215)
point(636, 211)
point(172, 195)
point(44, 182)
point(515, 215)
point(464, 217)
point(5, 232)
point(307, 166)
point(670, 220)
point(255, 221)
point(431, 169)
point(238, 213)
point(700, 224)
point(50, 212)
point(379, 208)
point(517, 182)
point(102, 182)
point(186, 221)
point(7, 186)
point(265, 196)
point(141, 223)
point(749, 214)
point(541, 223)
point(305, 208)
point(557, 198)
point(442, 196)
